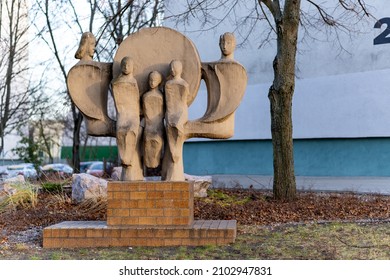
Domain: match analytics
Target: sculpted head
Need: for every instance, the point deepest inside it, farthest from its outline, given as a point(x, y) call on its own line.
point(176, 68)
point(86, 48)
point(155, 79)
point(127, 65)
point(227, 44)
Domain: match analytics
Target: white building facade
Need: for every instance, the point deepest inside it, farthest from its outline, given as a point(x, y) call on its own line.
point(341, 103)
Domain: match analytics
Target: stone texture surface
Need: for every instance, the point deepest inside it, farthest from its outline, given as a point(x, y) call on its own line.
point(88, 83)
point(85, 186)
point(128, 131)
point(201, 184)
point(153, 49)
point(116, 173)
point(7, 184)
point(154, 131)
point(176, 116)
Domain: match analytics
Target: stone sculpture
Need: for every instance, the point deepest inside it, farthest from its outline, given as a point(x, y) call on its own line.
point(227, 44)
point(226, 82)
point(159, 56)
point(153, 111)
point(128, 130)
point(176, 116)
point(88, 82)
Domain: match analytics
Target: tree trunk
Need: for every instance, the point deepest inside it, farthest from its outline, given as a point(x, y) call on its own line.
point(1, 142)
point(280, 96)
point(77, 121)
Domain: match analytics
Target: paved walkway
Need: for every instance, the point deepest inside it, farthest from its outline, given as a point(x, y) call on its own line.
point(380, 185)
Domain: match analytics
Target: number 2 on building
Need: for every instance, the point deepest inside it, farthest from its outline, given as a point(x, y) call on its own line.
point(382, 38)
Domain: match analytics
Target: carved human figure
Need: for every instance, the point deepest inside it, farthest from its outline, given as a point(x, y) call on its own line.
point(153, 110)
point(176, 116)
point(227, 44)
point(226, 82)
point(128, 130)
point(88, 82)
point(86, 48)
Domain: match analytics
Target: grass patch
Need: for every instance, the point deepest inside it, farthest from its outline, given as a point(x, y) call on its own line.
point(315, 241)
point(223, 199)
point(53, 187)
point(22, 195)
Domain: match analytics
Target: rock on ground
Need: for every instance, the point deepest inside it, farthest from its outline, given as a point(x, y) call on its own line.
point(201, 183)
point(116, 173)
point(85, 186)
point(7, 184)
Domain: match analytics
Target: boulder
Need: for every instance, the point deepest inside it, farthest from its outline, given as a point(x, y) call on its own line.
point(85, 186)
point(201, 184)
point(8, 184)
point(116, 173)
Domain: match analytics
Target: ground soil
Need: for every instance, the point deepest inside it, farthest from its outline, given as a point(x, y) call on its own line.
point(247, 206)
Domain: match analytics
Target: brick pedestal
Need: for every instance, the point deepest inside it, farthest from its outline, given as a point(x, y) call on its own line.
point(150, 204)
point(143, 214)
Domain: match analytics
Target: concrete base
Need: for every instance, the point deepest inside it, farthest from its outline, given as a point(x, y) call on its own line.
point(98, 234)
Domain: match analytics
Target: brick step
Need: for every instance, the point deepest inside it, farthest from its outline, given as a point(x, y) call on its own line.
point(79, 234)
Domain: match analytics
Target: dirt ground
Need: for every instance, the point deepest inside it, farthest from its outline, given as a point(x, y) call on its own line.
point(248, 206)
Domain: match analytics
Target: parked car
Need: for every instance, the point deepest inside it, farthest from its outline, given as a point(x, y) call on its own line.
point(3, 172)
point(84, 165)
point(61, 170)
point(25, 169)
point(97, 169)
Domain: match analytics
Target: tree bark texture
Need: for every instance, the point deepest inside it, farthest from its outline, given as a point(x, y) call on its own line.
point(77, 121)
point(280, 96)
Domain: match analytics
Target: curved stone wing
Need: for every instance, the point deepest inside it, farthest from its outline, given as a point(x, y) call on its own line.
point(226, 83)
point(88, 84)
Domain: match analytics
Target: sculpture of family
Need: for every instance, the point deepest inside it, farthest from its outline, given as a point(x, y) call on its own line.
point(154, 79)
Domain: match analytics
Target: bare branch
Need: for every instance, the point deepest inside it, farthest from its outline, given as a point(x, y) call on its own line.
point(75, 16)
point(265, 15)
point(269, 4)
point(327, 18)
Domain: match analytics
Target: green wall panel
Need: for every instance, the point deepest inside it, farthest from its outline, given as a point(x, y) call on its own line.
point(312, 157)
point(90, 153)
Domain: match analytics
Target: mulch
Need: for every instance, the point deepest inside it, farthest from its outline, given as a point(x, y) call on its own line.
point(262, 209)
point(247, 206)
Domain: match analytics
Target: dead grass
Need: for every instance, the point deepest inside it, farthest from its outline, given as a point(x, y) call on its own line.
point(325, 241)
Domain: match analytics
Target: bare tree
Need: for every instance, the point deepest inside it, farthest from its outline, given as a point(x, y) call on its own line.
point(110, 21)
point(284, 19)
point(18, 90)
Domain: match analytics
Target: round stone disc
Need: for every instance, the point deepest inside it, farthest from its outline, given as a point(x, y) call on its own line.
point(153, 49)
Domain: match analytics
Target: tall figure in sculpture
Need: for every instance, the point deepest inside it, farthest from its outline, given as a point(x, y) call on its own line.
point(176, 116)
point(153, 110)
point(128, 130)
